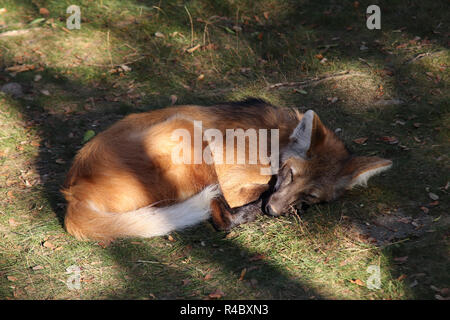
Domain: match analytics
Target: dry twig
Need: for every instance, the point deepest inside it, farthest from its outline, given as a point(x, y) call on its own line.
point(315, 81)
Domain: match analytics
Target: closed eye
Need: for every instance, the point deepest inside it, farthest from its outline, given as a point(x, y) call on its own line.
point(312, 197)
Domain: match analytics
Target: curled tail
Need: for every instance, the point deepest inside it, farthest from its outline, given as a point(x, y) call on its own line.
point(85, 221)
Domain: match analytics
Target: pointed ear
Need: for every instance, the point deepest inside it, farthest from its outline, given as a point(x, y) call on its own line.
point(308, 134)
point(358, 170)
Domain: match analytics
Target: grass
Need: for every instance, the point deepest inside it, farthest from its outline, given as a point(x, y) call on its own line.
point(245, 46)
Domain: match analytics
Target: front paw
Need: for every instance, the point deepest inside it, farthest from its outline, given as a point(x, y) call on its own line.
point(221, 215)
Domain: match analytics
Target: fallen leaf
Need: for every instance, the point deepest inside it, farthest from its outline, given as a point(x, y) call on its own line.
point(414, 283)
point(44, 11)
point(402, 277)
point(390, 140)
point(208, 277)
point(104, 245)
point(36, 268)
point(173, 99)
point(27, 184)
point(243, 272)
point(435, 288)
point(319, 56)
point(88, 135)
point(170, 238)
point(401, 259)
point(372, 240)
point(211, 46)
point(38, 20)
point(300, 91)
point(360, 140)
point(185, 282)
point(125, 68)
point(60, 161)
point(343, 263)
point(237, 28)
point(190, 50)
point(357, 281)
point(433, 196)
point(380, 90)
point(425, 209)
point(11, 278)
point(404, 219)
point(229, 30)
point(159, 34)
point(49, 245)
point(216, 294)
point(257, 257)
point(20, 68)
point(13, 222)
point(332, 99)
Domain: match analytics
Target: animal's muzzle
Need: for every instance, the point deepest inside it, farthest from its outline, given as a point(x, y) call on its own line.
point(269, 210)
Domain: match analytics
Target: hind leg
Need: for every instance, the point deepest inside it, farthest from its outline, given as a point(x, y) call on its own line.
point(225, 218)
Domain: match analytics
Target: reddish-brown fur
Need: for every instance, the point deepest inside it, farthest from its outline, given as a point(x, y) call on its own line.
point(129, 165)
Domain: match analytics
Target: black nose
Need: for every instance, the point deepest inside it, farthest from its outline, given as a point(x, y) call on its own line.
point(302, 207)
point(270, 211)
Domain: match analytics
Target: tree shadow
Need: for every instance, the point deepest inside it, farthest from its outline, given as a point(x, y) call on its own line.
point(56, 152)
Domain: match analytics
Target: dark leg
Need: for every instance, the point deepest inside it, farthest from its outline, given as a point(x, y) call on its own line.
point(224, 218)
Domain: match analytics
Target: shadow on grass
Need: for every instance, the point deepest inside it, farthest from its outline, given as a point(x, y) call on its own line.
point(205, 247)
point(54, 130)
